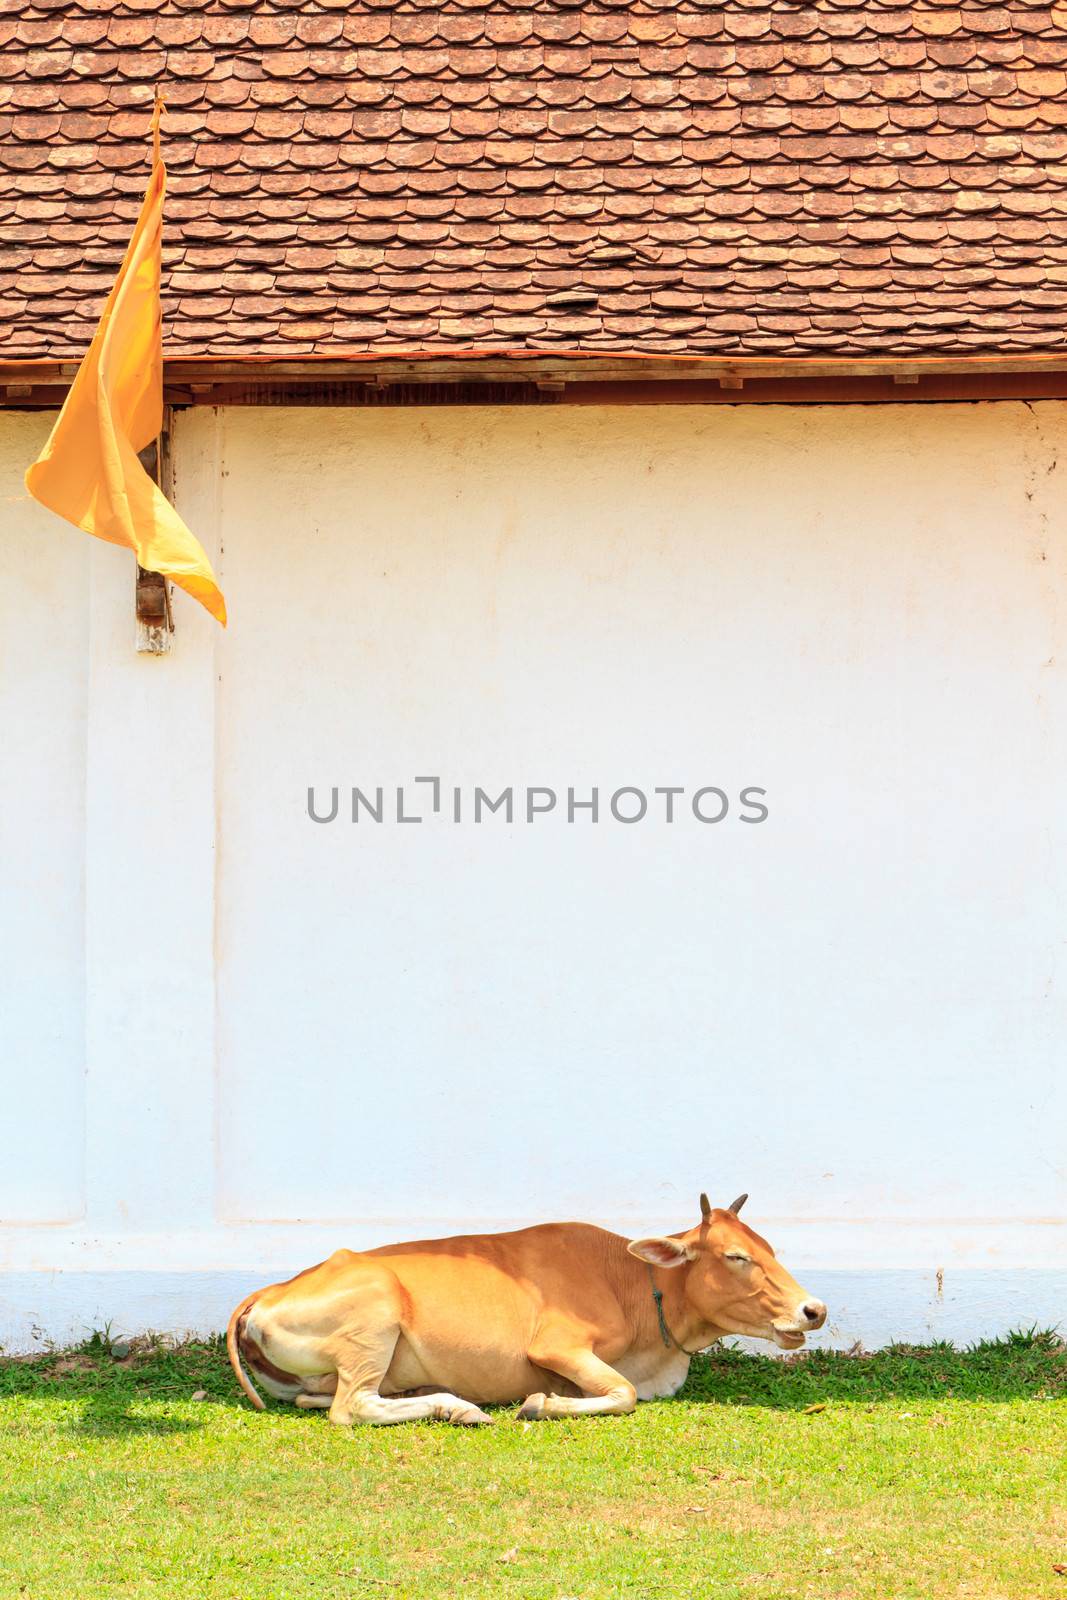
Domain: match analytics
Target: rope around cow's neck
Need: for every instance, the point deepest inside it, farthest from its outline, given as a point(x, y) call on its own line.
point(665, 1333)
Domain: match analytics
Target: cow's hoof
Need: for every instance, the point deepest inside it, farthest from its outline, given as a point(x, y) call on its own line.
point(471, 1417)
point(532, 1408)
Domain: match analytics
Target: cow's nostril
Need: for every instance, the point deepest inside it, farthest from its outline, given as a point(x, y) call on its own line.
point(814, 1310)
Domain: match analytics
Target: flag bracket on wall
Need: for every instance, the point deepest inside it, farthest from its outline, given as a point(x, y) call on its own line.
point(155, 620)
point(155, 615)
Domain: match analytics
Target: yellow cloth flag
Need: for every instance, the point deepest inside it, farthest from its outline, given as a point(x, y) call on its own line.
point(88, 472)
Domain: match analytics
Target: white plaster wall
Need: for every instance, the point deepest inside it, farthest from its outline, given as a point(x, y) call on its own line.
point(107, 827)
point(851, 1010)
point(854, 1010)
point(44, 674)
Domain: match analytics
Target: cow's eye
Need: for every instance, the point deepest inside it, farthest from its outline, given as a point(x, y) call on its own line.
point(736, 1255)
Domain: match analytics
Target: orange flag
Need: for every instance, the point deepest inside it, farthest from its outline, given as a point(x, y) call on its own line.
point(88, 471)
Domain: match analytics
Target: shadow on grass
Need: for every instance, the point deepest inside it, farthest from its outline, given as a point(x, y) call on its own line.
point(129, 1396)
point(1021, 1366)
point(136, 1395)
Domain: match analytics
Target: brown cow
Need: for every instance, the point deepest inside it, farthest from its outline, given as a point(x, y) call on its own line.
point(566, 1317)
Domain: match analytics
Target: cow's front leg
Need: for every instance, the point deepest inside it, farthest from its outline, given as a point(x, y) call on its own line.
point(605, 1392)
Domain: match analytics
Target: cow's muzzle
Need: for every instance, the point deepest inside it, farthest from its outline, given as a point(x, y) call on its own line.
point(789, 1333)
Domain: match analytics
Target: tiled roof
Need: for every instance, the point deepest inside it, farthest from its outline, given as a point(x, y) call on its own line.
point(785, 179)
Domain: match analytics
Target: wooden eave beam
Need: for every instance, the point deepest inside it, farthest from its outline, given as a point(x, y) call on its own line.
point(540, 367)
point(567, 377)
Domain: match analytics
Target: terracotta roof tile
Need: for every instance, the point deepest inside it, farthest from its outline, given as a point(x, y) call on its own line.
point(771, 177)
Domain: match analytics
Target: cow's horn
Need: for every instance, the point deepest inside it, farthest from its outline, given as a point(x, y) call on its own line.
point(705, 1208)
point(735, 1205)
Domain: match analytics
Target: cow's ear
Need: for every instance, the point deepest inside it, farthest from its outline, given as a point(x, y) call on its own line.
point(661, 1252)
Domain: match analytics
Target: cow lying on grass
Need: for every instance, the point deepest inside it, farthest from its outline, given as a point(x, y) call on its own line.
point(566, 1317)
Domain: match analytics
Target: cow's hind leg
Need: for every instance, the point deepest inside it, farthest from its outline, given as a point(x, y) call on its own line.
point(318, 1392)
point(363, 1365)
point(605, 1392)
point(367, 1405)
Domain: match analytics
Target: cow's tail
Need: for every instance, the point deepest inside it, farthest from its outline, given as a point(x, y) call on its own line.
point(234, 1351)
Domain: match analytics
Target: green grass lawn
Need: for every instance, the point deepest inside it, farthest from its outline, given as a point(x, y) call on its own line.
point(914, 1472)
